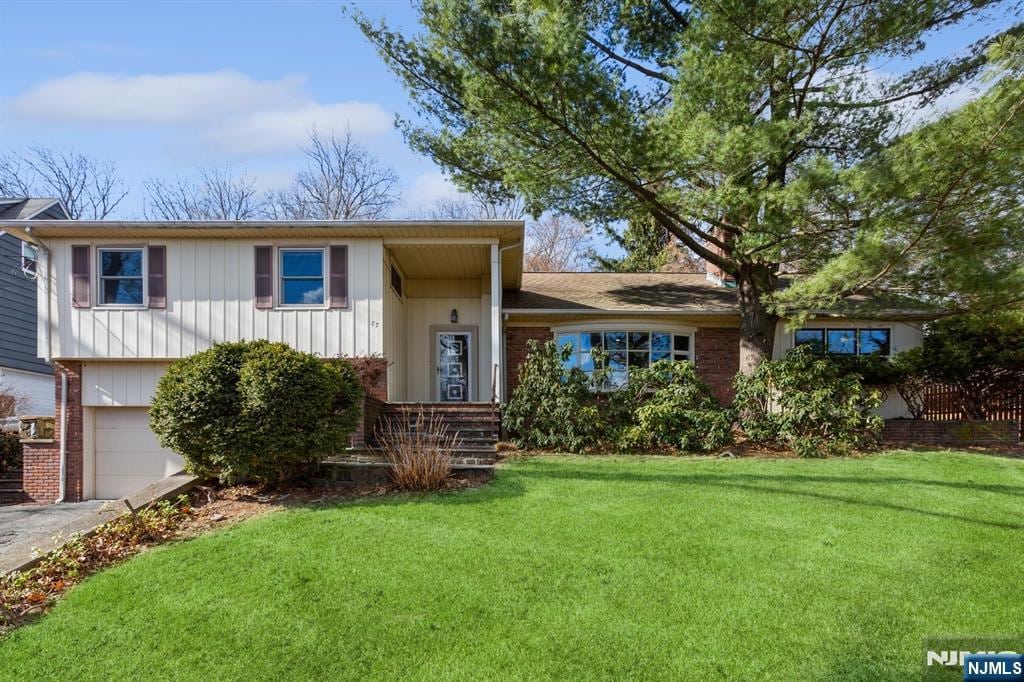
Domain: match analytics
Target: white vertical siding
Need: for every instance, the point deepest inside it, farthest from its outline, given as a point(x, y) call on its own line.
point(394, 336)
point(210, 298)
point(421, 314)
point(120, 384)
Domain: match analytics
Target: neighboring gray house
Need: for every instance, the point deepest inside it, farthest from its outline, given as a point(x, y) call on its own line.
point(22, 372)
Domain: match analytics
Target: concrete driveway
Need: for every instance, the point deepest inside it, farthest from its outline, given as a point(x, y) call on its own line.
point(24, 527)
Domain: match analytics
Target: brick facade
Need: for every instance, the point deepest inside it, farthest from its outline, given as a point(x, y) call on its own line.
point(718, 359)
point(516, 351)
point(373, 375)
point(41, 477)
point(928, 432)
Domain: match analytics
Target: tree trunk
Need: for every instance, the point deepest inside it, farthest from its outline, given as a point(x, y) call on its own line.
point(757, 323)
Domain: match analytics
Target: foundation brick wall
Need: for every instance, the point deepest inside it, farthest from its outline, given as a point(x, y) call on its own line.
point(372, 407)
point(927, 432)
point(373, 375)
point(41, 477)
point(718, 359)
point(516, 351)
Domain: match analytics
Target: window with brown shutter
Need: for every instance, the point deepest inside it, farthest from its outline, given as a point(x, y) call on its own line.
point(157, 276)
point(339, 277)
point(81, 283)
point(264, 277)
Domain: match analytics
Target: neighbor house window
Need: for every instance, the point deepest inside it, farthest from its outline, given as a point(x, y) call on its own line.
point(625, 350)
point(122, 279)
point(845, 340)
point(29, 258)
point(302, 277)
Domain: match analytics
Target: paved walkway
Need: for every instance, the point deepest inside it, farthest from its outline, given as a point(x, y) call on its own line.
point(25, 526)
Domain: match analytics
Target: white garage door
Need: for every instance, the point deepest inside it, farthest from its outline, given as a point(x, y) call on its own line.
point(128, 457)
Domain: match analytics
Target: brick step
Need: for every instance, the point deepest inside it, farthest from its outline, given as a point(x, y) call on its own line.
point(452, 428)
point(445, 418)
point(350, 473)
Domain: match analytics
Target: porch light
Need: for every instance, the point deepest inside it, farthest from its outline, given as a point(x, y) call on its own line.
point(455, 316)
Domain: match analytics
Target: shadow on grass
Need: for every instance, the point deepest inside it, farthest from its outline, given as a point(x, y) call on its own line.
point(491, 491)
point(756, 483)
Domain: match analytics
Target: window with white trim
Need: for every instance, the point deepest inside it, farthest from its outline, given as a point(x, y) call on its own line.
point(302, 277)
point(122, 279)
point(29, 259)
point(846, 340)
point(625, 349)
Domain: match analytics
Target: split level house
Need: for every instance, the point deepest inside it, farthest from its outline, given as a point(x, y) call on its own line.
point(444, 309)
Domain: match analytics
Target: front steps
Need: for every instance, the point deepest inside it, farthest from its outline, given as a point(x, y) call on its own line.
point(11, 491)
point(478, 426)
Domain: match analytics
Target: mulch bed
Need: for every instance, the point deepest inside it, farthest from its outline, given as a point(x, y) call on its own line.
point(29, 594)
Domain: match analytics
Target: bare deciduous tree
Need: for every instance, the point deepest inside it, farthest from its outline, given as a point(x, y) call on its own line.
point(477, 207)
point(556, 243)
point(90, 189)
point(217, 194)
point(342, 181)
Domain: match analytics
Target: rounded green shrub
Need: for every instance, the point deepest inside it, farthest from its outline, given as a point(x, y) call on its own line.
point(667, 404)
point(552, 408)
point(255, 410)
point(808, 403)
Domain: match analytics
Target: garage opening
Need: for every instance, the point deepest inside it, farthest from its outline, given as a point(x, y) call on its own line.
point(128, 457)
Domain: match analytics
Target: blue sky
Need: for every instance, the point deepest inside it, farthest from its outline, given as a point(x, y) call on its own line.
point(161, 87)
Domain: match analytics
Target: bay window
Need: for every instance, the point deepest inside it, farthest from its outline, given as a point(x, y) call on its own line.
point(624, 349)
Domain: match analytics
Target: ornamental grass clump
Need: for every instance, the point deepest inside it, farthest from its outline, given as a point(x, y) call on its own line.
point(419, 449)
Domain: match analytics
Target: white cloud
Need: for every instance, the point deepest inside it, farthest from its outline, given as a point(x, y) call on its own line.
point(227, 110)
point(272, 130)
point(428, 188)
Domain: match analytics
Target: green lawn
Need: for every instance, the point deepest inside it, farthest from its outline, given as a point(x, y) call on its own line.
point(573, 568)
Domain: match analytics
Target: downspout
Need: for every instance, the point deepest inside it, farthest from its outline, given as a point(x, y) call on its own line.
point(501, 331)
point(63, 434)
point(63, 375)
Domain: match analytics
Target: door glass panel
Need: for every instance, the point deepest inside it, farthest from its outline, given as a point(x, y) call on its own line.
point(453, 366)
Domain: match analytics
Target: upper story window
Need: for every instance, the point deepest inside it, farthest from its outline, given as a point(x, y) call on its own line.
point(846, 341)
point(625, 350)
point(29, 258)
point(396, 280)
point(122, 276)
point(302, 277)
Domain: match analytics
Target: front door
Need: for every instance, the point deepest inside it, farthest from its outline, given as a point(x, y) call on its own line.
point(453, 366)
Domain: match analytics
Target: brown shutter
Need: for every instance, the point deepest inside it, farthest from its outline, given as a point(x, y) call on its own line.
point(81, 282)
point(264, 277)
point(339, 277)
point(157, 262)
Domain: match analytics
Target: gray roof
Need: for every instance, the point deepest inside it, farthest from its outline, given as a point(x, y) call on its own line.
point(628, 292)
point(669, 292)
point(32, 208)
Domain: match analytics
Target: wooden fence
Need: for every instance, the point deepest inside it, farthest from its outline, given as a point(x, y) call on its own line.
point(940, 405)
